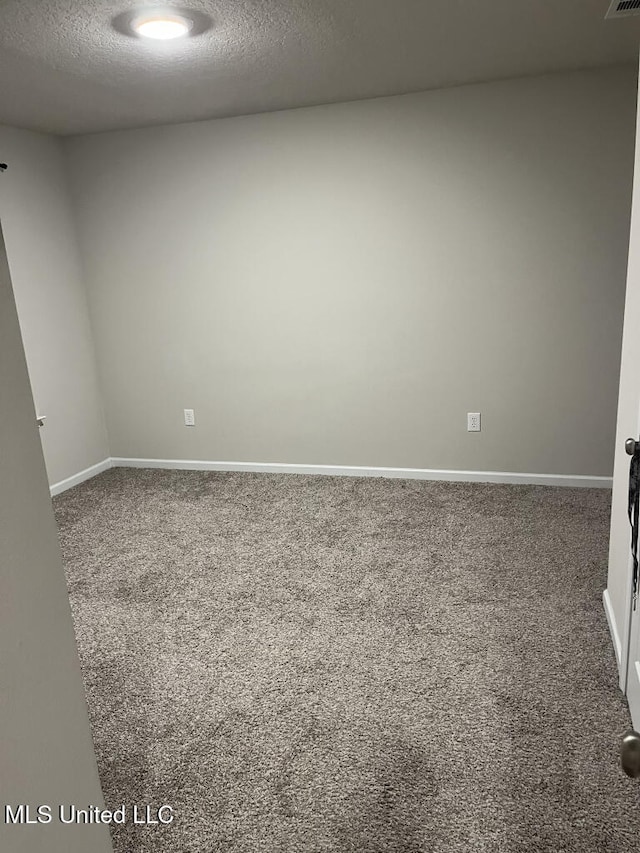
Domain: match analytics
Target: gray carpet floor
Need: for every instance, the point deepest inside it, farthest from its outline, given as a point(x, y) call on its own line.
point(308, 664)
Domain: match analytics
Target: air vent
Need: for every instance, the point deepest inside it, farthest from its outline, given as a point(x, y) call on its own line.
point(623, 9)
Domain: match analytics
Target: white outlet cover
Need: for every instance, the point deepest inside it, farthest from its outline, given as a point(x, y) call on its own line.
point(189, 417)
point(473, 422)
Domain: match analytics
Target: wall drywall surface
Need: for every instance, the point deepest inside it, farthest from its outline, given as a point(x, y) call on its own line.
point(52, 307)
point(340, 285)
point(619, 580)
point(46, 753)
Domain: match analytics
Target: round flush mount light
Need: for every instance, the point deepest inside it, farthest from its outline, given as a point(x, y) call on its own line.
point(161, 23)
point(162, 27)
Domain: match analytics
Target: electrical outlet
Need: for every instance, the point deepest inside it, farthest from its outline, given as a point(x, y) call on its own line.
point(473, 421)
point(189, 417)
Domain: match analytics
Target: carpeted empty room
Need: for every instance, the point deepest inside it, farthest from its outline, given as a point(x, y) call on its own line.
point(319, 426)
point(310, 663)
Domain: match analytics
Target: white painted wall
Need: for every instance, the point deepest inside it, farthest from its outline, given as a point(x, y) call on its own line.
point(43, 258)
point(617, 596)
point(341, 284)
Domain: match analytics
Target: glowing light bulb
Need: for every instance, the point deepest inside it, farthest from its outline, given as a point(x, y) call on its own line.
point(162, 27)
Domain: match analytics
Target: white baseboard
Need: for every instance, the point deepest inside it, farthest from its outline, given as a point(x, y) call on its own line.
point(80, 477)
point(573, 480)
point(357, 471)
point(613, 628)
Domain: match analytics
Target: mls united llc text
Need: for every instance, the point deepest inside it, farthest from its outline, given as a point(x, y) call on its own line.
point(145, 815)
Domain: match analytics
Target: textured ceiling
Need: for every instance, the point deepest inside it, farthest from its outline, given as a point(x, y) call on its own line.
point(65, 68)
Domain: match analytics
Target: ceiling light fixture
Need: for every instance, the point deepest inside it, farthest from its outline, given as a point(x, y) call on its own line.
point(164, 23)
point(161, 26)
